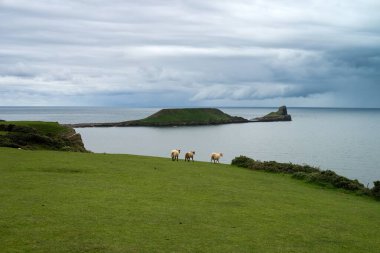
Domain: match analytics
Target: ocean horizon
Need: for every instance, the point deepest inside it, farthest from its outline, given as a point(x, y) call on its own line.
point(344, 140)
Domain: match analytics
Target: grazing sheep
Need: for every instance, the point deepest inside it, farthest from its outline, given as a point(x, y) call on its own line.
point(215, 157)
point(175, 154)
point(189, 155)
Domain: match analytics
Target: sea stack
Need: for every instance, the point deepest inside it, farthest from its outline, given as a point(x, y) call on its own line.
point(280, 115)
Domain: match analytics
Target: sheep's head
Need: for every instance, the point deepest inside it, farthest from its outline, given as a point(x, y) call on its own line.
point(193, 152)
point(179, 151)
point(221, 154)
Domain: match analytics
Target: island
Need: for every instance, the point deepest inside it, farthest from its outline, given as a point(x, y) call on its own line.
point(280, 115)
point(176, 117)
point(190, 117)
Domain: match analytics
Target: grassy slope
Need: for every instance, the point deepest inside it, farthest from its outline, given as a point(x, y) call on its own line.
point(80, 202)
point(187, 115)
point(272, 114)
point(48, 128)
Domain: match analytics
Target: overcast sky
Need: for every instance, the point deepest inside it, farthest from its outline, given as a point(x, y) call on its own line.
point(190, 53)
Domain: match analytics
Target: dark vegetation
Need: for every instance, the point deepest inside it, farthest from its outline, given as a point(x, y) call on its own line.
point(39, 135)
point(309, 174)
point(375, 191)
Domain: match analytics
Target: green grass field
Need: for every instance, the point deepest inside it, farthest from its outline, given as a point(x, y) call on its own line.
point(81, 202)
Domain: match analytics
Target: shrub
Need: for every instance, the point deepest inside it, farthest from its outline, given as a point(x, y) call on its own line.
point(300, 175)
point(307, 173)
point(242, 161)
point(330, 178)
point(271, 166)
point(375, 191)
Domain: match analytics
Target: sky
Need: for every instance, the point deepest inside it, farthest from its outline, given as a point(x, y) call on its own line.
point(190, 53)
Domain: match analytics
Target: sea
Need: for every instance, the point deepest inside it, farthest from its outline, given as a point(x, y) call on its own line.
point(345, 140)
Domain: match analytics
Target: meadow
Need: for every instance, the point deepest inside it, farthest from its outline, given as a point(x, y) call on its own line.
point(83, 202)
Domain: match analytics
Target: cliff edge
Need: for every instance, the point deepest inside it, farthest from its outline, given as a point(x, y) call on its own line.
point(40, 135)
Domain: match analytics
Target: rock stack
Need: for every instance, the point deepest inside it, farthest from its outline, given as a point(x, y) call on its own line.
point(280, 115)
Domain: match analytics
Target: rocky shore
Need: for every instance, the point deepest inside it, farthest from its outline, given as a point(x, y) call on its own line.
point(280, 115)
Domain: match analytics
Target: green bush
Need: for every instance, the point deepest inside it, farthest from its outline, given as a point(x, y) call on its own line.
point(308, 174)
point(301, 175)
point(375, 191)
point(242, 161)
point(330, 178)
point(271, 166)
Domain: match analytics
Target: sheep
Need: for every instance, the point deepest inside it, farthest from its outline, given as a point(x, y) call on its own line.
point(215, 157)
point(189, 155)
point(175, 154)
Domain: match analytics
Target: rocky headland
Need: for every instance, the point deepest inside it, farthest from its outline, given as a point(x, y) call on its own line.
point(280, 115)
point(35, 135)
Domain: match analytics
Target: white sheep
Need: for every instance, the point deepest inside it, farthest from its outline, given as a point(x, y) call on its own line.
point(175, 154)
point(215, 157)
point(189, 155)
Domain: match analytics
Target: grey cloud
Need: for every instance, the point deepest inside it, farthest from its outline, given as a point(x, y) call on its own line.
point(257, 91)
point(238, 52)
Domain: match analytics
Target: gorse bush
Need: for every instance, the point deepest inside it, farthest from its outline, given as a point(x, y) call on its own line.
point(309, 174)
point(329, 177)
point(376, 190)
point(271, 166)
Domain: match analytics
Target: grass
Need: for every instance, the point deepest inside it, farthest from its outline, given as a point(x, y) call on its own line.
point(273, 114)
point(81, 202)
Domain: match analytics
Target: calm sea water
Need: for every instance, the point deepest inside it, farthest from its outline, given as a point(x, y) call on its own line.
point(344, 140)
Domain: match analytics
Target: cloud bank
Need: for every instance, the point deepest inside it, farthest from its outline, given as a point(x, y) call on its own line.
point(190, 53)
